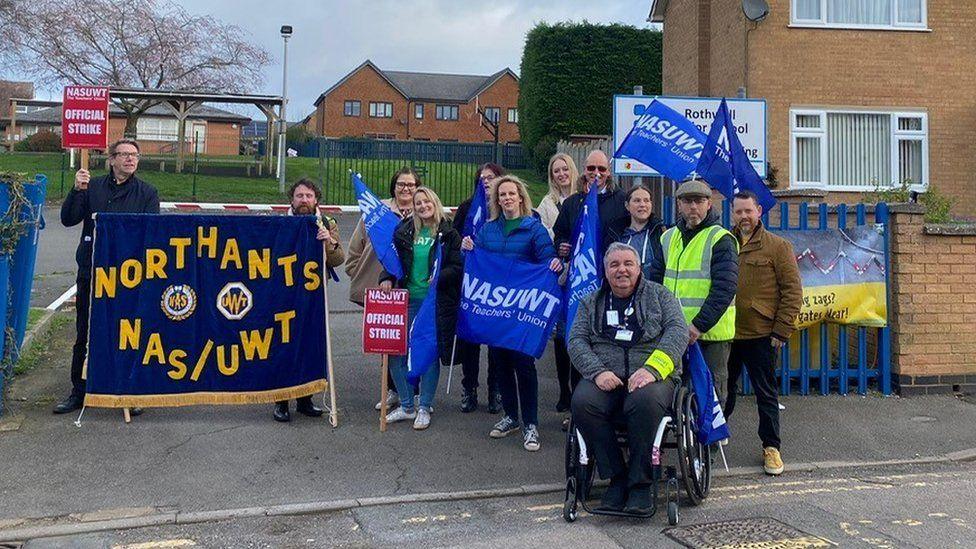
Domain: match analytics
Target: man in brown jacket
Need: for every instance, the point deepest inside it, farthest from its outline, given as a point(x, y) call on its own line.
point(766, 304)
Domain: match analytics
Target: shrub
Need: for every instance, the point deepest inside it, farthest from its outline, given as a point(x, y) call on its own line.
point(42, 141)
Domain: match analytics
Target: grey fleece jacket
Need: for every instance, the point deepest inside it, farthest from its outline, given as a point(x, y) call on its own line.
point(664, 328)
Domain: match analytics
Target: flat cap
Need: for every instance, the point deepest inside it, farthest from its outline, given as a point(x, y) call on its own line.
point(692, 188)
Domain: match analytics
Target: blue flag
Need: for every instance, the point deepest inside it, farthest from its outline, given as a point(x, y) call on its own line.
point(665, 140)
point(711, 421)
point(478, 213)
point(380, 223)
point(585, 269)
point(728, 169)
point(508, 303)
point(422, 351)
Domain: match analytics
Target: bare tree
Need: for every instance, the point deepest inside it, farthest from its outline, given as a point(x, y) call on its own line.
point(128, 43)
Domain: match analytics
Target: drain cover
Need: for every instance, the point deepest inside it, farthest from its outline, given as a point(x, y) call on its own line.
point(752, 533)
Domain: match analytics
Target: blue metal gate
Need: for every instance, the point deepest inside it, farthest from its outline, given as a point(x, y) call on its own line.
point(863, 355)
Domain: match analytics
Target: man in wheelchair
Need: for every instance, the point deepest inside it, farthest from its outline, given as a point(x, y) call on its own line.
point(627, 341)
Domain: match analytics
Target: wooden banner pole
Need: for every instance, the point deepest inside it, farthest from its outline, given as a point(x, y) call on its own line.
point(333, 412)
point(84, 159)
point(384, 388)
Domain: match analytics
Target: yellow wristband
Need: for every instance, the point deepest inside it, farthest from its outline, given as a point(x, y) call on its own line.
point(660, 362)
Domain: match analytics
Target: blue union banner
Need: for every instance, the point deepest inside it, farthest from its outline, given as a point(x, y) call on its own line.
point(190, 309)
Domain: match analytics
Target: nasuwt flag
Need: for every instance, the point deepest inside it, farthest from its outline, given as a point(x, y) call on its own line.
point(380, 223)
point(478, 213)
point(585, 268)
point(422, 351)
point(205, 309)
point(507, 303)
point(843, 275)
point(725, 164)
point(665, 140)
point(711, 421)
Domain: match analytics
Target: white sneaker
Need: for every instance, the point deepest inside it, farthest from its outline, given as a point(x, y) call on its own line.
point(530, 438)
point(392, 401)
point(423, 420)
point(399, 415)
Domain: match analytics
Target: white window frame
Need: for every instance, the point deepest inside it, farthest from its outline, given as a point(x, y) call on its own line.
point(353, 106)
point(418, 111)
point(894, 24)
point(380, 109)
point(896, 137)
point(154, 128)
point(513, 116)
point(493, 114)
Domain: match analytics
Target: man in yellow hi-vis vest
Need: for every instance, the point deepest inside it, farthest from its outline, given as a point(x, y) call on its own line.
point(701, 268)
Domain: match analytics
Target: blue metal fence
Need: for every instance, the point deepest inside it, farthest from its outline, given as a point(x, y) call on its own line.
point(827, 370)
point(17, 271)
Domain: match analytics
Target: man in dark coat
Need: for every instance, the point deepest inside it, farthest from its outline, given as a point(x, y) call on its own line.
point(120, 191)
point(613, 212)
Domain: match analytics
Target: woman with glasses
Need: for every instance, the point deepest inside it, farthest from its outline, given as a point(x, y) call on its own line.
point(362, 265)
point(470, 353)
point(514, 232)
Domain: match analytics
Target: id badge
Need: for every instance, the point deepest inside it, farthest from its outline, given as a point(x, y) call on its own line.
point(624, 335)
point(613, 318)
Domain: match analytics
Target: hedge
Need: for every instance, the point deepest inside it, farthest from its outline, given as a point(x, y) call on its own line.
point(569, 75)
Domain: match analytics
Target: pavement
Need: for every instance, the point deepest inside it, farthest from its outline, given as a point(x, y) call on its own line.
point(221, 459)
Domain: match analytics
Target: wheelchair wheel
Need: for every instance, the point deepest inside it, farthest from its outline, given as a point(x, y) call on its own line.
point(571, 504)
point(572, 452)
point(693, 456)
point(672, 513)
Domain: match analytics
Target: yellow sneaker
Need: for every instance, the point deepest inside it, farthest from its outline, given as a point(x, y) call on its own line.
point(772, 462)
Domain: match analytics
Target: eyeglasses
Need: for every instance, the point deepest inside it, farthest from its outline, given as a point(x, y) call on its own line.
point(126, 155)
point(406, 185)
point(600, 169)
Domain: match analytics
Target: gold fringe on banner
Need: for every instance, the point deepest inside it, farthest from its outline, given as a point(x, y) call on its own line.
point(192, 399)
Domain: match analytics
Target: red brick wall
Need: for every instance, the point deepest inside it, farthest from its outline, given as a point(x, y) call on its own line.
point(221, 139)
point(933, 308)
point(796, 67)
point(367, 85)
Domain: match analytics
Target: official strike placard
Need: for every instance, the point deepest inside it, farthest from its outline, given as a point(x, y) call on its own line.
point(84, 117)
point(385, 321)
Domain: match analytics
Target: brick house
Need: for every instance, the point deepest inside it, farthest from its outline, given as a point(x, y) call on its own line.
point(859, 94)
point(369, 102)
point(219, 131)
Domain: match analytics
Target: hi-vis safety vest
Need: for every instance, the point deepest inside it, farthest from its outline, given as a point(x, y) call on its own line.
point(688, 275)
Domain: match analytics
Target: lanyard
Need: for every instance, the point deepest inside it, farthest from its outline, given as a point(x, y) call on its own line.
point(629, 310)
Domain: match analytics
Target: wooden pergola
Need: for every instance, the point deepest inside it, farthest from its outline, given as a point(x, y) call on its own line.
point(182, 102)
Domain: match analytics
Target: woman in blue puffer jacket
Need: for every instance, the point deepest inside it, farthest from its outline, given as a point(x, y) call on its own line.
point(514, 232)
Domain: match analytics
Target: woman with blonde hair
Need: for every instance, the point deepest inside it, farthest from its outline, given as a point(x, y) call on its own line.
point(515, 233)
point(562, 178)
point(416, 240)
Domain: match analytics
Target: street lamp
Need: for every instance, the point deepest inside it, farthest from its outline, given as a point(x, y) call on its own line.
point(283, 122)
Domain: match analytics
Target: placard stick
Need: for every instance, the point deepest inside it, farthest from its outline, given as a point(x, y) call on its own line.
point(384, 388)
point(84, 159)
point(333, 412)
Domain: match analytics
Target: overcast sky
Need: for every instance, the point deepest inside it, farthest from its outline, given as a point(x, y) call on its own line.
point(334, 36)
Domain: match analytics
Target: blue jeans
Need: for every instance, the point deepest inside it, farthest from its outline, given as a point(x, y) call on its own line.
point(428, 381)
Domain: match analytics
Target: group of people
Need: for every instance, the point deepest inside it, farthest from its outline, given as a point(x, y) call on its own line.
point(736, 293)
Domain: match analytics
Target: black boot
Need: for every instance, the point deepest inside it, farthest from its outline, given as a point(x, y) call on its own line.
point(494, 401)
point(70, 404)
point(639, 500)
point(563, 404)
point(307, 408)
point(469, 400)
point(281, 411)
point(615, 496)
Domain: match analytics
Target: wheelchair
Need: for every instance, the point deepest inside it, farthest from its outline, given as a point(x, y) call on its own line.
point(676, 431)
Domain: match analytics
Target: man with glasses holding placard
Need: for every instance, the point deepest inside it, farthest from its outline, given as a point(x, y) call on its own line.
point(613, 212)
point(119, 191)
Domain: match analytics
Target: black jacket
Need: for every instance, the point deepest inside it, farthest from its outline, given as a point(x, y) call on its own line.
point(724, 269)
point(103, 195)
point(652, 233)
point(448, 284)
point(613, 218)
